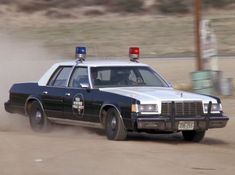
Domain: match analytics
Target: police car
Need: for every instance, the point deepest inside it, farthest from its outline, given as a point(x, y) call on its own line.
point(119, 96)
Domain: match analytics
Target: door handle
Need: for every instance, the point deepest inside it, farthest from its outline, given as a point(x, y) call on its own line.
point(67, 94)
point(45, 92)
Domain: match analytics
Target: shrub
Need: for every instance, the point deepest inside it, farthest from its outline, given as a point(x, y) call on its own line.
point(129, 6)
point(56, 14)
point(173, 6)
point(97, 2)
point(217, 3)
point(6, 1)
point(93, 12)
point(33, 6)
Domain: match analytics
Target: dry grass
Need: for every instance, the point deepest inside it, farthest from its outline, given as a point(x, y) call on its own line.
point(111, 35)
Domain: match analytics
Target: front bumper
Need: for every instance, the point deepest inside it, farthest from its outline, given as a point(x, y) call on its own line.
point(171, 124)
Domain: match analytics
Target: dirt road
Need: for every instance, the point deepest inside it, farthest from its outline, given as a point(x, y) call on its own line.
point(74, 150)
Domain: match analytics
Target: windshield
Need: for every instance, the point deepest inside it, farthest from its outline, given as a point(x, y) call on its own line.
point(125, 77)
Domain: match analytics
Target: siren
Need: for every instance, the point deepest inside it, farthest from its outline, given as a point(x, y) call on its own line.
point(134, 53)
point(80, 53)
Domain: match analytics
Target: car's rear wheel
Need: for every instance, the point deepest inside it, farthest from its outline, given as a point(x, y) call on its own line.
point(38, 120)
point(115, 129)
point(193, 136)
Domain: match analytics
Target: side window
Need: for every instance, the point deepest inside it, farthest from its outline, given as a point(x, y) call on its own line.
point(132, 76)
point(60, 77)
point(150, 78)
point(80, 75)
point(104, 75)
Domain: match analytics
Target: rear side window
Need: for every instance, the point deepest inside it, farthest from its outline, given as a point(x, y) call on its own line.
point(60, 77)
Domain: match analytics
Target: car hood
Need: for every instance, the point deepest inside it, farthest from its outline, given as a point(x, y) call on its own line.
point(149, 95)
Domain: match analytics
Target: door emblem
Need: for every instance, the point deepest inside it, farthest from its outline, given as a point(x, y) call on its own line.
point(78, 105)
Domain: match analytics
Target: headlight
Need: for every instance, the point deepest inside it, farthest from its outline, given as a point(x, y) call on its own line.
point(215, 108)
point(144, 108)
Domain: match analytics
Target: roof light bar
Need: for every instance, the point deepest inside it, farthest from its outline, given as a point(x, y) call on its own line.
point(134, 53)
point(80, 53)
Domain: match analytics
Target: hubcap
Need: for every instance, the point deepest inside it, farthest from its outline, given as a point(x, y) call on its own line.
point(113, 123)
point(38, 116)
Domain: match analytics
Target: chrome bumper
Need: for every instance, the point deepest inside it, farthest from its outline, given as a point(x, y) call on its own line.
point(167, 124)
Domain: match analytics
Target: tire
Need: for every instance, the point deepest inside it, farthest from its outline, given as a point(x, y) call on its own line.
point(193, 136)
point(38, 120)
point(114, 126)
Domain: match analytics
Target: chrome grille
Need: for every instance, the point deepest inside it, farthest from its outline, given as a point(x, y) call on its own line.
point(182, 108)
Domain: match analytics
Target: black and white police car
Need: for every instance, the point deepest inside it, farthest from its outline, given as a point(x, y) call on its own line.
point(119, 96)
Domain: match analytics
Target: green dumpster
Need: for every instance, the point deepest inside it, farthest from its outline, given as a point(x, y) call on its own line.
point(203, 82)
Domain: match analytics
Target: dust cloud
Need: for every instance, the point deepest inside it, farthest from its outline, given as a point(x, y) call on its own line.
point(26, 61)
point(21, 61)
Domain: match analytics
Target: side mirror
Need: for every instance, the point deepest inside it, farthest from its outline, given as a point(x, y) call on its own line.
point(171, 85)
point(85, 85)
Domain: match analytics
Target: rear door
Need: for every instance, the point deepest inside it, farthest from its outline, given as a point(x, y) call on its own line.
point(54, 92)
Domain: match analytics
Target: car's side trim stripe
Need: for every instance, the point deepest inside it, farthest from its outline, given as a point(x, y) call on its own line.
point(75, 122)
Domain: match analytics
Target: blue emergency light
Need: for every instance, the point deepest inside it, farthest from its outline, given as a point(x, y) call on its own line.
point(80, 50)
point(80, 53)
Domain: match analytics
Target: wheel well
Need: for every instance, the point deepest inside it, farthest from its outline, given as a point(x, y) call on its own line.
point(29, 103)
point(103, 113)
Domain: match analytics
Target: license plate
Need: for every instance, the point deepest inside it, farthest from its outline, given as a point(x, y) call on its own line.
point(186, 125)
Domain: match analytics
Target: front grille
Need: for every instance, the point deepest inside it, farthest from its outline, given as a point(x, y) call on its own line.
point(182, 108)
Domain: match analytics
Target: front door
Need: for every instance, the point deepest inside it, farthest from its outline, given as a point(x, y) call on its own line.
point(78, 101)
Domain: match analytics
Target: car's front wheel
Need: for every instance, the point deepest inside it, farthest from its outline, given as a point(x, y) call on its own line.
point(38, 120)
point(115, 129)
point(193, 136)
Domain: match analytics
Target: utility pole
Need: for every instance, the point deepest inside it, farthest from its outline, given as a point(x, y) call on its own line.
point(197, 11)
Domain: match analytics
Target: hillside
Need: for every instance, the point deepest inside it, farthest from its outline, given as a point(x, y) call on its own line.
point(61, 25)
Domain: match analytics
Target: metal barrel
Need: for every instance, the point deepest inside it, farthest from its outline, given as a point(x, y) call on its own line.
point(226, 86)
point(203, 82)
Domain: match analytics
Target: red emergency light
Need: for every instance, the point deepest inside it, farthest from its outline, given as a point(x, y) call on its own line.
point(134, 53)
